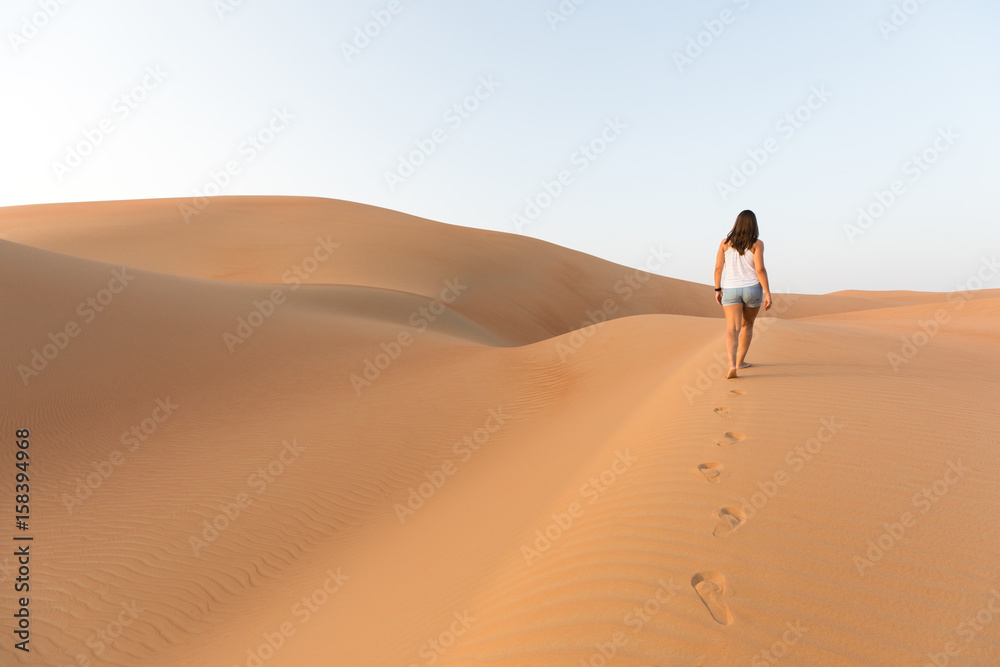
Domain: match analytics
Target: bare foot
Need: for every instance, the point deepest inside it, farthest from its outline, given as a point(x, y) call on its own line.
point(732, 374)
point(744, 364)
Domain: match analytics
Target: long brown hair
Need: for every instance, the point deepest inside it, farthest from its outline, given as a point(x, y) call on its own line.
point(745, 232)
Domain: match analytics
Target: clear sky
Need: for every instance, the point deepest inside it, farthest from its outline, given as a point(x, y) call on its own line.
point(629, 125)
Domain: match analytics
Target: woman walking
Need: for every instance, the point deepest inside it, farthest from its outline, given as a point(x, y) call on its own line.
point(742, 288)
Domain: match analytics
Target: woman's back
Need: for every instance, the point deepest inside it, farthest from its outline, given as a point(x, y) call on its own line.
point(740, 270)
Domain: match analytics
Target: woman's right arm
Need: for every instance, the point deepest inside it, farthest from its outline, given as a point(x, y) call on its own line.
point(720, 263)
point(758, 260)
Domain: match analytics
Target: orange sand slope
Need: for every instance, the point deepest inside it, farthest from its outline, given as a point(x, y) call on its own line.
point(308, 432)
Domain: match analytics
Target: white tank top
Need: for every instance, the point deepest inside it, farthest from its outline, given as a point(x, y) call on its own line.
point(739, 269)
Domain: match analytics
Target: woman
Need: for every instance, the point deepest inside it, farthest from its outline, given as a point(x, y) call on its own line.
point(744, 287)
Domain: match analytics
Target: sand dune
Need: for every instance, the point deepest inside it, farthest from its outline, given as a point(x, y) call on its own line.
point(535, 289)
point(413, 455)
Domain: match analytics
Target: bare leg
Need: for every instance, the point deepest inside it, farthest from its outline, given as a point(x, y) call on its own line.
point(746, 335)
point(734, 317)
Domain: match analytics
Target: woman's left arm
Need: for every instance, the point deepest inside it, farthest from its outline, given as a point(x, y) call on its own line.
point(758, 260)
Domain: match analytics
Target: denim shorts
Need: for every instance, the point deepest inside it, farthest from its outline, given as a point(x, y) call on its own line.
point(751, 297)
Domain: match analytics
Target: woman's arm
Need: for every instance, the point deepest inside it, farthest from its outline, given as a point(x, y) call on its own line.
point(720, 262)
point(758, 261)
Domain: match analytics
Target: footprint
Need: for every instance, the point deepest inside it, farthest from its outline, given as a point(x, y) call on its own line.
point(711, 587)
point(730, 518)
point(730, 438)
point(722, 412)
point(712, 471)
point(737, 392)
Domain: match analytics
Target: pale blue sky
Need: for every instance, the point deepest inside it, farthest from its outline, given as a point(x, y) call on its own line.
point(680, 130)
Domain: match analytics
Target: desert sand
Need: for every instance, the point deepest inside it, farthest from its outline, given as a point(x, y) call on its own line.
point(299, 431)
